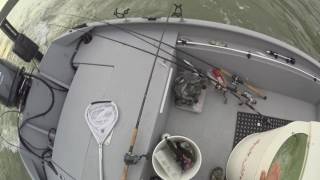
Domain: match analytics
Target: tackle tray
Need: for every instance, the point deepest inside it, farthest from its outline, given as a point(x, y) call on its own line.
point(248, 123)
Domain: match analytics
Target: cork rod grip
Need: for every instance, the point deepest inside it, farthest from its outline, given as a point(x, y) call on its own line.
point(134, 136)
point(124, 175)
point(256, 91)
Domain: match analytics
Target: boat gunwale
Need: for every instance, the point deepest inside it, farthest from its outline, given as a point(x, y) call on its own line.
point(202, 24)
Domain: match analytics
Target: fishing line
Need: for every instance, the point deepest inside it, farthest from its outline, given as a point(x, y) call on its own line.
point(314, 78)
point(134, 34)
point(137, 35)
point(150, 77)
point(135, 130)
point(130, 31)
point(156, 56)
point(188, 68)
point(163, 58)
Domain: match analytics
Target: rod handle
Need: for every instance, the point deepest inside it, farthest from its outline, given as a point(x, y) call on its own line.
point(124, 175)
point(256, 91)
point(249, 86)
point(100, 162)
point(226, 73)
point(134, 136)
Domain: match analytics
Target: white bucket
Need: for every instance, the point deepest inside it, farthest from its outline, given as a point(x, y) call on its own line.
point(186, 175)
point(257, 152)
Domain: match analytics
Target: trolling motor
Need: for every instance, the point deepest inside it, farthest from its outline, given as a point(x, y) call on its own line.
point(23, 46)
point(14, 86)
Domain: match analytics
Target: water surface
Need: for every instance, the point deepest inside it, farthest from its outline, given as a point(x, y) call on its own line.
point(295, 22)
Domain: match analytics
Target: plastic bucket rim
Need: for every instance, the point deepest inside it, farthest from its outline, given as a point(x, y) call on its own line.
point(296, 126)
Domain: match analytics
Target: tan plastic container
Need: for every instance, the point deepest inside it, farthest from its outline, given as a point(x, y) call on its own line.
point(296, 147)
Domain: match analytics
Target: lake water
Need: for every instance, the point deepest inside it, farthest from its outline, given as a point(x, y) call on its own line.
point(295, 22)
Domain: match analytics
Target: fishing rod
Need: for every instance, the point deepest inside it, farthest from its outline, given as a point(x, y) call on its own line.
point(255, 90)
point(237, 79)
point(132, 32)
point(249, 54)
point(135, 130)
point(184, 66)
point(188, 68)
point(238, 96)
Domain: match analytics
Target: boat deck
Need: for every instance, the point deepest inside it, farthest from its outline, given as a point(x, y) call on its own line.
point(108, 70)
point(213, 129)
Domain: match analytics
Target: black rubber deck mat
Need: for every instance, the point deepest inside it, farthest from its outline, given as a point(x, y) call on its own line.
point(248, 123)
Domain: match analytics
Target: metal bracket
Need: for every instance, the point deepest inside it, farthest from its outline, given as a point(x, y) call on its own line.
point(121, 14)
point(86, 38)
point(150, 18)
point(131, 159)
point(177, 11)
point(225, 101)
point(276, 55)
point(155, 178)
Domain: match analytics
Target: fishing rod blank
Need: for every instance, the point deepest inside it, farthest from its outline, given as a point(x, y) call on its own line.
point(137, 34)
point(188, 68)
point(127, 30)
point(231, 89)
point(182, 65)
point(135, 130)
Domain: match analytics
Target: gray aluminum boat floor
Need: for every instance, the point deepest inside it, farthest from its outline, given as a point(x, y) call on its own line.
point(213, 129)
point(120, 73)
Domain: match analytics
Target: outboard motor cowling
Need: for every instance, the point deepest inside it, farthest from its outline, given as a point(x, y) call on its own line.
point(11, 79)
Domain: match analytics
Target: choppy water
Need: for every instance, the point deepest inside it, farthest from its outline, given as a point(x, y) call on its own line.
point(296, 22)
